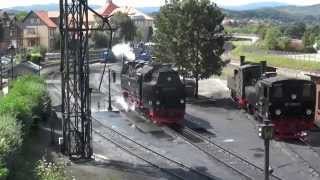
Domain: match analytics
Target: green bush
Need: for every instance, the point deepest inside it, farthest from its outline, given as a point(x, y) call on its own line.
point(10, 140)
point(26, 100)
point(50, 171)
point(10, 135)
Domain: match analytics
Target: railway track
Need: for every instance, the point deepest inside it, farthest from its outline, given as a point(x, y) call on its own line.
point(155, 159)
point(310, 160)
point(224, 156)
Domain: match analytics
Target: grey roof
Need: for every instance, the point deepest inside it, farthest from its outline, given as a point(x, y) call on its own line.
point(272, 80)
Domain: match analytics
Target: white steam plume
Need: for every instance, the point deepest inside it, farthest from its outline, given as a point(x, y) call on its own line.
point(123, 50)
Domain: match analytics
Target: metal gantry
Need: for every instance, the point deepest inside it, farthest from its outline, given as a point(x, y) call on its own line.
point(76, 113)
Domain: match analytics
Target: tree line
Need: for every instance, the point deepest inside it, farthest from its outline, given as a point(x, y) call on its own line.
point(279, 37)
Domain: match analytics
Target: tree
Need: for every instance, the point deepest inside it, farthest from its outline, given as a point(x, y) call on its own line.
point(271, 38)
point(127, 28)
point(150, 33)
point(100, 39)
point(308, 39)
point(190, 35)
point(284, 44)
point(296, 30)
point(21, 15)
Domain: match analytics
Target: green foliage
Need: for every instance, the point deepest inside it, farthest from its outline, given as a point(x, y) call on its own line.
point(126, 26)
point(27, 98)
point(286, 14)
point(190, 35)
point(100, 39)
point(139, 35)
point(295, 30)
point(10, 135)
point(50, 171)
point(284, 43)
point(36, 54)
point(150, 34)
point(4, 172)
point(271, 38)
point(21, 15)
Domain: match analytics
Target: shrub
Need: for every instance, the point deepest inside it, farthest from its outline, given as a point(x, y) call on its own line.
point(10, 135)
point(50, 171)
point(26, 100)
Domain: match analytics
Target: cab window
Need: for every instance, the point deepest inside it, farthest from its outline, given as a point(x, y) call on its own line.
point(277, 91)
point(307, 90)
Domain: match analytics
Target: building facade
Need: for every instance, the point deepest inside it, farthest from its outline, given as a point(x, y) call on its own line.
point(10, 32)
point(39, 30)
point(142, 21)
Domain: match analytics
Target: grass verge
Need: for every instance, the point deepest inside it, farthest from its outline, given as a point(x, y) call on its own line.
point(275, 60)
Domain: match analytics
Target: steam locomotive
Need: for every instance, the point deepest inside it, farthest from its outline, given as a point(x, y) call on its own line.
point(155, 90)
point(289, 103)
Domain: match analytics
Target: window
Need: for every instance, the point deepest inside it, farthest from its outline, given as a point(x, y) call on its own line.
point(51, 32)
point(307, 90)
point(277, 91)
point(31, 31)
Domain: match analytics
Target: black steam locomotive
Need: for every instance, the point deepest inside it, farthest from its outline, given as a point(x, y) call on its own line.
point(289, 103)
point(155, 90)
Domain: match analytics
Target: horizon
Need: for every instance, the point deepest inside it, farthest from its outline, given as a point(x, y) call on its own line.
point(155, 3)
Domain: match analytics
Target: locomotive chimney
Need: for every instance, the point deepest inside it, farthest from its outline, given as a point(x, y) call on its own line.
point(242, 60)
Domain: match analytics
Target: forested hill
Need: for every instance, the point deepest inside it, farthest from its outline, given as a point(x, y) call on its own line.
point(308, 14)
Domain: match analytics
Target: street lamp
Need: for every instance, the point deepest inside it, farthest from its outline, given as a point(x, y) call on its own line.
point(266, 132)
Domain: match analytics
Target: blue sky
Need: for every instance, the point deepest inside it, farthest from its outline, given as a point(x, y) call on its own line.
point(146, 3)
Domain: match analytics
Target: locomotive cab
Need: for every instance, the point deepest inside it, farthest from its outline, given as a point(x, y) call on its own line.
point(288, 103)
point(245, 77)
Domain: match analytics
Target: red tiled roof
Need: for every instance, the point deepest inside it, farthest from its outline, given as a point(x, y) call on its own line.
point(108, 9)
point(45, 18)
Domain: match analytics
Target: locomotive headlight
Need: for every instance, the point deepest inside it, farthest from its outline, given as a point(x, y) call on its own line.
point(158, 103)
point(278, 112)
point(293, 96)
point(308, 112)
point(182, 101)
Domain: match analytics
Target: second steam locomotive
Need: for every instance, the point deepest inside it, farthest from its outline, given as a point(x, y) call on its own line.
point(155, 90)
point(288, 102)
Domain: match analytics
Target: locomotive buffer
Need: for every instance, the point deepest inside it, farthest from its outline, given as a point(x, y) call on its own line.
point(266, 132)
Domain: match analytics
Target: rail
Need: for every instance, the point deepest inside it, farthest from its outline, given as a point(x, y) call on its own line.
point(224, 156)
point(157, 160)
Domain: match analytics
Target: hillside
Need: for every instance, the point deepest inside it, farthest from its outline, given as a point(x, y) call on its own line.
point(254, 6)
point(41, 7)
point(308, 14)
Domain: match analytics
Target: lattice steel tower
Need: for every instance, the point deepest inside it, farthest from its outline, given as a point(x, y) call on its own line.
point(76, 113)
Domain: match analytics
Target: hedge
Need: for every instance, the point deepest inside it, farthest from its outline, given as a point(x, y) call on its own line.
point(27, 100)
